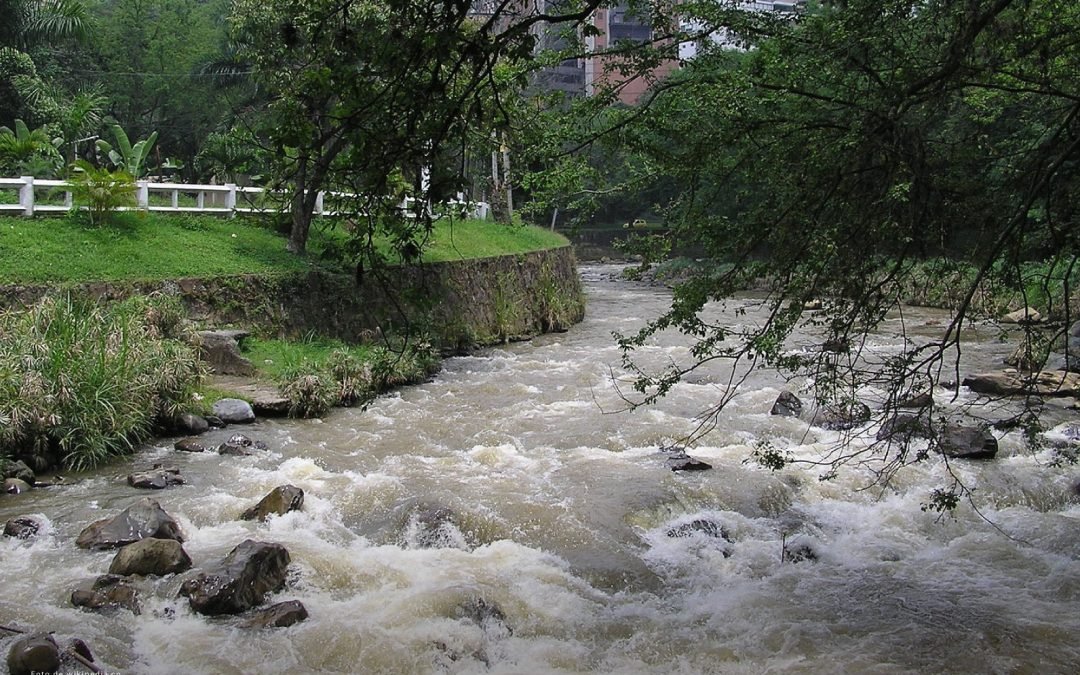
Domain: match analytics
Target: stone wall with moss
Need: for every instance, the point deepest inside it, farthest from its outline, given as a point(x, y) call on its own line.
point(460, 304)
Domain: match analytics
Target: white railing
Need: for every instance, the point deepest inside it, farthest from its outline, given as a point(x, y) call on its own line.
point(227, 199)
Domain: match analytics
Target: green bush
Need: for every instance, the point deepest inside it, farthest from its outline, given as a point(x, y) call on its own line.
point(81, 382)
point(309, 390)
point(101, 191)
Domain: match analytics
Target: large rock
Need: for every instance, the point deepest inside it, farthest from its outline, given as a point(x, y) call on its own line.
point(281, 500)
point(920, 400)
point(107, 592)
point(240, 445)
point(1025, 315)
point(143, 520)
point(270, 404)
point(221, 351)
point(21, 527)
point(233, 411)
point(190, 445)
point(787, 405)
point(844, 416)
point(241, 581)
point(19, 470)
point(15, 486)
point(281, 615)
point(904, 428)
point(1014, 383)
point(33, 654)
point(964, 442)
point(158, 557)
point(155, 479)
point(680, 461)
point(190, 423)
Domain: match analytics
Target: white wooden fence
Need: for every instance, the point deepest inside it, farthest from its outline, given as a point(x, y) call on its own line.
point(227, 199)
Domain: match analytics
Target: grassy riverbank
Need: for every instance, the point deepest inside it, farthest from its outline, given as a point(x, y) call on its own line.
point(165, 246)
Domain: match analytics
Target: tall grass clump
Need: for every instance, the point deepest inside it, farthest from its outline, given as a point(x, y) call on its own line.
point(82, 382)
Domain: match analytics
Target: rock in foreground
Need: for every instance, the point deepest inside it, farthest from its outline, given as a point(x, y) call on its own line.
point(280, 501)
point(143, 520)
point(241, 581)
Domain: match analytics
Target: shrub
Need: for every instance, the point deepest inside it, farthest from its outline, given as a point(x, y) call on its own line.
point(309, 390)
point(81, 382)
point(101, 191)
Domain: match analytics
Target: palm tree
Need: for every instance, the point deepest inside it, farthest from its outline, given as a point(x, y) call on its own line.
point(28, 22)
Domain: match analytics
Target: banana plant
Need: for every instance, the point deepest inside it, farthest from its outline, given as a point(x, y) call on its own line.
point(20, 146)
point(125, 156)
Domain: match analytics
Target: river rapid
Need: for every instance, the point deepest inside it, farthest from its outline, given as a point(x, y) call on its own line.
point(598, 558)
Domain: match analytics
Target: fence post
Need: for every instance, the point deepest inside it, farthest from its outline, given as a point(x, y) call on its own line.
point(319, 202)
point(142, 194)
point(26, 195)
point(230, 198)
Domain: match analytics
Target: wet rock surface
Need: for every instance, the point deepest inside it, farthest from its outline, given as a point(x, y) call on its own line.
point(240, 581)
point(107, 592)
point(144, 519)
point(157, 557)
point(281, 500)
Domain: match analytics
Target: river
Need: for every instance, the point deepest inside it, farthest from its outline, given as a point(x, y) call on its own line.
point(565, 518)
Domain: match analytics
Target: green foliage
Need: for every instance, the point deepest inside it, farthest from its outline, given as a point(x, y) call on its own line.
point(101, 191)
point(81, 382)
point(310, 392)
point(126, 157)
point(26, 152)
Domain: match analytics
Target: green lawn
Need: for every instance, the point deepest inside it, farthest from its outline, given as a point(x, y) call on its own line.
point(162, 246)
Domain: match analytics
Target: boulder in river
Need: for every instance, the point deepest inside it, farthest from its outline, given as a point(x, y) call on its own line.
point(484, 613)
point(904, 428)
point(234, 411)
point(844, 416)
point(33, 654)
point(278, 502)
point(15, 486)
point(281, 615)
point(158, 557)
point(18, 469)
point(240, 445)
point(143, 520)
point(683, 462)
point(190, 445)
point(920, 400)
point(1014, 383)
point(190, 423)
point(108, 592)
point(21, 527)
point(155, 479)
point(1023, 316)
point(965, 442)
point(787, 405)
point(240, 581)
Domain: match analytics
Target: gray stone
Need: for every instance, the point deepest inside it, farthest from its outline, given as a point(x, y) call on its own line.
point(234, 411)
point(281, 615)
point(155, 479)
point(107, 592)
point(143, 520)
point(280, 501)
point(190, 423)
point(1014, 383)
point(963, 442)
point(683, 462)
point(787, 405)
point(33, 654)
point(240, 581)
point(190, 445)
point(221, 351)
point(21, 527)
point(1025, 315)
point(158, 557)
point(20, 470)
point(904, 428)
point(240, 445)
point(14, 486)
point(844, 416)
point(922, 400)
point(270, 405)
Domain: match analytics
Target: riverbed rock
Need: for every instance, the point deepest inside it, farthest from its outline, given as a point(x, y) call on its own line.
point(281, 615)
point(107, 592)
point(904, 428)
point(921, 400)
point(484, 613)
point(190, 445)
point(143, 520)
point(240, 581)
point(432, 527)
point(1014, 383)
point(36, 653)
point(240, 445)
point(797, 551)
point(157, 557)
point(21, 527)
point(278, 502)
point(965, 442)
point(787, 405)
point(233, 411)
point(190, 423)
point(220, 349)
point(14, 486)
point(155, 479)
point(843, 416)
point(215, 422)
point(1025, 315)
point(18, 469)
point(270, 405)
point(699, 527)
point(683, 462)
